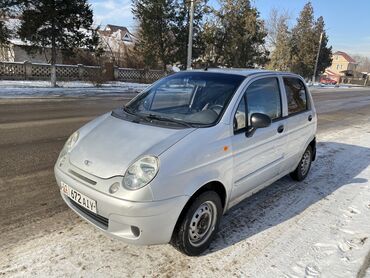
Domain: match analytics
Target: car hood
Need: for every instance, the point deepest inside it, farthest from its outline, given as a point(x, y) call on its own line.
point(110, 147)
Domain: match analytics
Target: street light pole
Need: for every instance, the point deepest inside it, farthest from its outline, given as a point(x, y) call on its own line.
point(317, 58)
point(190, 44)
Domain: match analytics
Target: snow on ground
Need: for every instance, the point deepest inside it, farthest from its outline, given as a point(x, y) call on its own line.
point(16, 88)
point(11, 89)
point(329, 86)
point(316, 228)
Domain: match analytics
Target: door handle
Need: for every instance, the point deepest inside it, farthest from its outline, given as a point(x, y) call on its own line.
point(310, 118)
point(280, 129)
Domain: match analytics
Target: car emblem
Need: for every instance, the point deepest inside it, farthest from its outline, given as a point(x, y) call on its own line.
point(87, 162)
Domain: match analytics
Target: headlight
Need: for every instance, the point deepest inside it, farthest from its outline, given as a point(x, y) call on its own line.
point(71, 141)
point(68, 146)
point(140, 173)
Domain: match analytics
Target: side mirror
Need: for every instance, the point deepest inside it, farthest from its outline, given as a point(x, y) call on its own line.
point(258, 120)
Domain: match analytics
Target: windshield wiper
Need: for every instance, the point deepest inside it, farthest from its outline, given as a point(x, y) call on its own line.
point(149, 117)
point(160, 118)
point(128, 110)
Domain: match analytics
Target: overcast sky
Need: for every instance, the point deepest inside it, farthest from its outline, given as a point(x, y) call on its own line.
point(347, 22)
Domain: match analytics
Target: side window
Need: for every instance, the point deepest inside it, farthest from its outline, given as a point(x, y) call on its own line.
point(239, 119)
point(263, 96)
point(296, 95)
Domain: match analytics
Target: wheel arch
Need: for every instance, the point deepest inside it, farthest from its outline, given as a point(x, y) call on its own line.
point(215, 186)
point(313, 147)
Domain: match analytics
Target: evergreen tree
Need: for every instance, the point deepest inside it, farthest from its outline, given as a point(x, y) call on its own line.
point(305, 43)
point(213, 40)
point(182, 21)
point(59, 24)
point(304, 48)
point(325, 57)
point(4, 33)
point(156, 31)
point(241, 35)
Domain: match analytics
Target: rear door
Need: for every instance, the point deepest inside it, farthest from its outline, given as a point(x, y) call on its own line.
point(257, 159)
point(300, 119)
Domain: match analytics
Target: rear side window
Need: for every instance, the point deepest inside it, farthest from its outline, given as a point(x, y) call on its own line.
point(263, 96)
point(296, 95)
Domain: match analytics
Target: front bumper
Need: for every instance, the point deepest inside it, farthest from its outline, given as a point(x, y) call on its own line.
point(142, 223)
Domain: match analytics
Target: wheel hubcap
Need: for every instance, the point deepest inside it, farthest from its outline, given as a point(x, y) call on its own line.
point(202, 223)
point(305, 163)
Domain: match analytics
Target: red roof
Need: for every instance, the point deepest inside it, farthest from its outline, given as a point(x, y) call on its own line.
point(345, 56)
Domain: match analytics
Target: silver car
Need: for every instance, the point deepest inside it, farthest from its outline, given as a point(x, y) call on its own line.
point(169, 164)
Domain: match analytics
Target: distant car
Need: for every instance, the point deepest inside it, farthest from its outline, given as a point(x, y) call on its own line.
point(169, 164)
point(328, 81)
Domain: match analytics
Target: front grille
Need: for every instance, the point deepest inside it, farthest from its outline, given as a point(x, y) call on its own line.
point(98, 218)
point(82, 177)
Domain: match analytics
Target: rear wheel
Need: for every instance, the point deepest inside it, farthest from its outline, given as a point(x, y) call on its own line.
point(198, 226)
point(304, 166)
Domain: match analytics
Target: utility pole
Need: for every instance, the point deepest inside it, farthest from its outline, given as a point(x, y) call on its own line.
point(317, 58)
point(190, 44)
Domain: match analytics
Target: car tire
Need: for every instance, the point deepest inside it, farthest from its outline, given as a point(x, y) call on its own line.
point(304, 166)
point(196, 229)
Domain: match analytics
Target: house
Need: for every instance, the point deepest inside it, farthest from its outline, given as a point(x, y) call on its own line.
point(342, 65)
point(18, 51)
point(114, 38)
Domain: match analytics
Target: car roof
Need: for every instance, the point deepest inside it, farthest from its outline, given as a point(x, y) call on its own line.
point(244, 72)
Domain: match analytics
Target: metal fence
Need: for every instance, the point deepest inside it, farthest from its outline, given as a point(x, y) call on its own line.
point(37, 71)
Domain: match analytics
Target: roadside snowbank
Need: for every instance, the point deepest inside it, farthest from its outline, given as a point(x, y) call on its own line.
point(11, 89)
point(317, 228)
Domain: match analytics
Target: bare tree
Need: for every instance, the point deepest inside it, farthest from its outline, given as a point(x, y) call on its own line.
point(274, 22)
point(363, 62)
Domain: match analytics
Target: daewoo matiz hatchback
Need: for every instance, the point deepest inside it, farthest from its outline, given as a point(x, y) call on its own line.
point(167, 166)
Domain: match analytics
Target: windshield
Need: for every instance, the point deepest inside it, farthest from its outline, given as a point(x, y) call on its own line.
point(197, 98)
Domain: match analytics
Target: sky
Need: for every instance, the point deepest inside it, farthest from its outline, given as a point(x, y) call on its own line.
point(347, 22)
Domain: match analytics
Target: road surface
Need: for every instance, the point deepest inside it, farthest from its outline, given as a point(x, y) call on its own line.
point(33, 131)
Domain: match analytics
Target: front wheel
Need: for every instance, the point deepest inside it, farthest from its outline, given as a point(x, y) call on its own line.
point(304, 166)
point(197, 228)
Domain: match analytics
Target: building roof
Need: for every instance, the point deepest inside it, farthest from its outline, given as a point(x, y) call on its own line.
point(110, 30)
point(348, 58)
point(329, 72)
point(114, 28)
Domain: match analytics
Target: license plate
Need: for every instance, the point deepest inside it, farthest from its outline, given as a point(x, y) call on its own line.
point(78, 197)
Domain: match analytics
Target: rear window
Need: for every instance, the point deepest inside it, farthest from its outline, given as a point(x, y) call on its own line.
point(296, 95)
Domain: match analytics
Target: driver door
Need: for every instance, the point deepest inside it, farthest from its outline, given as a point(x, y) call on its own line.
point(257, 159)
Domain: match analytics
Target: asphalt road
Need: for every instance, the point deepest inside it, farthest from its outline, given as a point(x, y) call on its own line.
point(33, 131)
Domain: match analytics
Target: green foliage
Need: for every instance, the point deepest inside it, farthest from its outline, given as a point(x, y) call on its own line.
point(305, 42)
point(325, 57)
point(156, 34)
point(281, 57)
point(236, 37)
point(60, 24)
point(182, 11)
point(164, 28)
point(4, 33)
point(304, 48)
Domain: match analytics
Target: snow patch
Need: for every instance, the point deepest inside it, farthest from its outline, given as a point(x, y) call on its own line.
point(11, 89)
